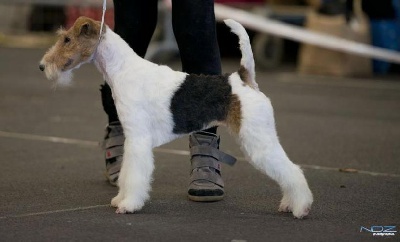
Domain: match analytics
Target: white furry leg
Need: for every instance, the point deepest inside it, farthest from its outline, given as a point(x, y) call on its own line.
point(135, 176)
point(297, 197)
point(266, 153)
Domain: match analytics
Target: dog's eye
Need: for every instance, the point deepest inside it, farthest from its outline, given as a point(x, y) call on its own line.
point(67, 40)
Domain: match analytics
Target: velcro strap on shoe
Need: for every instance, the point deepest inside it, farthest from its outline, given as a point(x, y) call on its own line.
point(115, 130)
point(114, 152)
point(212, 152)
point(199, 163)
point(114, 141)
point(115, 167)
point(208, 176)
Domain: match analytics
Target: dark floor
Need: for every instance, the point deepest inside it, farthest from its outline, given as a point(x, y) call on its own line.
point(53, 189)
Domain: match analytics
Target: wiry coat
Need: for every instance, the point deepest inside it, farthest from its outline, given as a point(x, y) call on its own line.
point(156, 104)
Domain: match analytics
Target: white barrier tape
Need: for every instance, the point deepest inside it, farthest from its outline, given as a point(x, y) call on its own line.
point(265, 25)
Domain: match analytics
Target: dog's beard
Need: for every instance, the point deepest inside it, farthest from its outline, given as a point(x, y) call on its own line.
point(65, 78)
point(61, 78)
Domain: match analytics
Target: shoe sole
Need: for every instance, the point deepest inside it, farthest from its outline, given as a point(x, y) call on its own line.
point(205, 198)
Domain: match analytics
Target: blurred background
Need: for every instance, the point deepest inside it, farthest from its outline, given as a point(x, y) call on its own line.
point(337, 115)
point(31, 24)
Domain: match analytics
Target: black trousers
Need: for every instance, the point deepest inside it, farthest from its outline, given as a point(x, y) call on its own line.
point(194, 27)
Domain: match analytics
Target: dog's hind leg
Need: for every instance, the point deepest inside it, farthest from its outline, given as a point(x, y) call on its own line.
point(270, 158)
point(135, 176)
point(260, 143)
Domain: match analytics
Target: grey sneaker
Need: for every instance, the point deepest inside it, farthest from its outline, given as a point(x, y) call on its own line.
point(206, 184)
point(113, 146)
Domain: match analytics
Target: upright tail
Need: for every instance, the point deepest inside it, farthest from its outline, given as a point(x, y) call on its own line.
point(246, 71)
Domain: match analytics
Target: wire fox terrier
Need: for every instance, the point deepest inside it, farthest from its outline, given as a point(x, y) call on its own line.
point(156, 104)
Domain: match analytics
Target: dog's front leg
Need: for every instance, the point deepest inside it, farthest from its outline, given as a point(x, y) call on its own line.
point(135, 176)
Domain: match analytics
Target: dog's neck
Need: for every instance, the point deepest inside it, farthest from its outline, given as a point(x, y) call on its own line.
point(111, 53)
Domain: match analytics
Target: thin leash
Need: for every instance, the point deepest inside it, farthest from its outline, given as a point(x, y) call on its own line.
point(101, 27)
point(102, 17)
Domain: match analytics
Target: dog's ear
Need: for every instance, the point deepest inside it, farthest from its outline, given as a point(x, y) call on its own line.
point(86, 29)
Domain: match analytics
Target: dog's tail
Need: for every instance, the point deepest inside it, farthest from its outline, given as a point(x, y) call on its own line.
point(246, 71)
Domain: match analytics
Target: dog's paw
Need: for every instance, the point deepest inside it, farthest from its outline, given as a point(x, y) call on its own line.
point(128, 206)
point(116, 201)
point(286, 205)
point(302, 212)
point(284, 208)
point(122, 210)
point(298, 203)
point(301, 206)
point(299, 211)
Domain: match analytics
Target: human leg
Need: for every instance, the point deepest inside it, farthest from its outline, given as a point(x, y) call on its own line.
point(195, 31)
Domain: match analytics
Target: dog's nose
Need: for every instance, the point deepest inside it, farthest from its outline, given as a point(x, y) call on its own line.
point(41, 67)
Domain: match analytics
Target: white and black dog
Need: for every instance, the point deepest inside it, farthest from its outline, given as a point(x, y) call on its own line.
point(156, 104)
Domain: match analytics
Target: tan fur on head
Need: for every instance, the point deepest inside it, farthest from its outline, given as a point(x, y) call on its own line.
point(74, 47)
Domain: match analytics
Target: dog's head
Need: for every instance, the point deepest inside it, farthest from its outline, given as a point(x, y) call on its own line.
point(73, 48)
